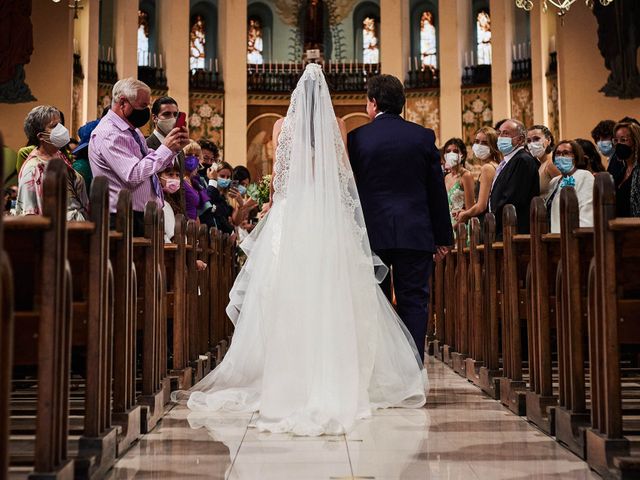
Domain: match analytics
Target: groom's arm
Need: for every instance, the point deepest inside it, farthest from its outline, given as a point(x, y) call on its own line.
point(437, 194)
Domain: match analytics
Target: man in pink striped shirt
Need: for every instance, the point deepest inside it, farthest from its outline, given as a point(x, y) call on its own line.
point(118, 150)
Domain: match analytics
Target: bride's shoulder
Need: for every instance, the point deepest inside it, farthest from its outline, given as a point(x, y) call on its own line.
point(278, 123)
point(340, 121)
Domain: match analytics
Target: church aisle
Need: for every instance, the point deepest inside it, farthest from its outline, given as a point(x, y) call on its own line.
point(460, 435)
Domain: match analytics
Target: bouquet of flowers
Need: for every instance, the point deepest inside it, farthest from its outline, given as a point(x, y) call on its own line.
point(260, 192)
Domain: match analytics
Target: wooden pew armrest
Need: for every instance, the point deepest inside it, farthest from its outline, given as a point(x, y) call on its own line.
point(26, 222)
point(629, 223)
point(141, 242)
point(583, 232)
point(82, 227)
point(170, 247)
point(551, 237)
point(522, 238)
point(497, 245)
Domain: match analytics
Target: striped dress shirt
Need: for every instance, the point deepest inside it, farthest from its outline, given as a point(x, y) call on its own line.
point(126, 161)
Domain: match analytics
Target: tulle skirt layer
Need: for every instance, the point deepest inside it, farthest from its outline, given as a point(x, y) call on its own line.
point(316, 343)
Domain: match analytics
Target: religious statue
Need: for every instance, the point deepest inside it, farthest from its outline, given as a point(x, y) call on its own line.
point(313, 25)
point(197, 43)
point(483, 31)
point(370, 50)
point(428, 40)
point(16, 45)
point(618, 41)
point(254, 43)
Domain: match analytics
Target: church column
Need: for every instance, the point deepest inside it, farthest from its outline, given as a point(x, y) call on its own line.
point(88, 24)
point(394, 37)
point(539, 61)
point(174, 47)
point(126, 37)
point(452, 41)
point(233, 56)
point(501, 41)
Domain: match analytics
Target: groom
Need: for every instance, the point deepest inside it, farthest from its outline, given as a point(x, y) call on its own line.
point(397, 169)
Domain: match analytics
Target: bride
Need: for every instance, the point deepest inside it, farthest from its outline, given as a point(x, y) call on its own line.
point(316, 343)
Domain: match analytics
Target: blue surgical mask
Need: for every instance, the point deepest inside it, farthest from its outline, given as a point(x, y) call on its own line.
point(242, 189)
point(13, 204)
point(505, 145)
point(606, 147)
point(564, 164)
point(224, 182)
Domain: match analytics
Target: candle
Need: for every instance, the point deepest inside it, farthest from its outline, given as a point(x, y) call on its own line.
point(552, 44)
point(160, 60)
point(519, 51)
point(409, 63)
point(513, 49)
point(466, 59)
point(415, 63)
point(472, 58)
point(342, 66)
point(351, 66)
point(216, 63)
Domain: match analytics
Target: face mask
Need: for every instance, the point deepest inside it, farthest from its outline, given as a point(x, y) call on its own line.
point(505, 145)
point(13, 204)
point(139, 117)
point(59, 136)
point(451, 159)
point(623, 151)
point(537, 149)
point(224, 182)
point(172, 185)
point(242, 189)
point(481, 152)
point(564, 164)
point(165, 125)
point(606, 147)
point(191, 163)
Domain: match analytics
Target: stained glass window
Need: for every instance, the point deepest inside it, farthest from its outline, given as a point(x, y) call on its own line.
point(197, 43)
point(428, 48)
point(254, 42)
point(483, 33)
point(370, 47)
point(143, 39)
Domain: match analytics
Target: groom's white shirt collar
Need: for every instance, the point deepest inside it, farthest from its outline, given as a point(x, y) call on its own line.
point(378, 114)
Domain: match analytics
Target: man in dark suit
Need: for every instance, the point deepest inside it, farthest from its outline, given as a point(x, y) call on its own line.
point(517, 180)
point(164, 113)
point(397, 169)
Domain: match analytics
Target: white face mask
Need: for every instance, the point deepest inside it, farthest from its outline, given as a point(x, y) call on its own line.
point(165, 125)
point(451, 159)
point(481, 152)
point(537, 149)
point(59, 136)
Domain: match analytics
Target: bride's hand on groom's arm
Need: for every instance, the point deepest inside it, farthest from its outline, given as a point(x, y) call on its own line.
point(441, 252)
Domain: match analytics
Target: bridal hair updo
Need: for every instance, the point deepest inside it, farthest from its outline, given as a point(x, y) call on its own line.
point(388, 93)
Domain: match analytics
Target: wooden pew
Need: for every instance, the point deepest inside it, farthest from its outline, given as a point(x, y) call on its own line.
point(229, 271)
point(37, 249)
point(438, 309)
point(6, 346)
point(218, 300)
point(493, 282)
point(126, 414)
point(450, 306)
point(196, 362)
point(461, 292)
point(176, 268)
point(572, 416)
point(204, 304)
point(546, 281)
point(93, 335)
point(477, 327)
point(516, 290)
point(614, 336)
point(148, 253)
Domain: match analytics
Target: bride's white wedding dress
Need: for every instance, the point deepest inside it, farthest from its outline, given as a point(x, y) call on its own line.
point(316, 343)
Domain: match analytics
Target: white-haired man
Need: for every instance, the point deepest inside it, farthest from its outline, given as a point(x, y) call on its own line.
point(118, 150)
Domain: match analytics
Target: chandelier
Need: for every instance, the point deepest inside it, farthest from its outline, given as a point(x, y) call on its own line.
point(563, 6)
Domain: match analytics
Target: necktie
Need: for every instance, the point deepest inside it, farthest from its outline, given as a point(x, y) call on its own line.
point(155, 183)
point(498, 170)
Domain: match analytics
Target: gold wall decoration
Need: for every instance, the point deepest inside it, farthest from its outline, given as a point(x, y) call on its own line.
point(206, 117)
point(553, 106)
point(522, 102)
point(476, 111)
point(78, 101)
point(423, 108)
point(104, 97)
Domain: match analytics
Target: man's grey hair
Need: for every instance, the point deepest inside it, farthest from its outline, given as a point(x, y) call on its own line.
point(520, 127)
point(127, 88)
point(37, 121)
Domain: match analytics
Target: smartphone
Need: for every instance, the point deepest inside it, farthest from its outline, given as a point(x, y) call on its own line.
point(182, 120)
point(234, 184)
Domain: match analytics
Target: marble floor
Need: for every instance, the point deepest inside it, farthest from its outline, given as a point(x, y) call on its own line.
point(461, 434)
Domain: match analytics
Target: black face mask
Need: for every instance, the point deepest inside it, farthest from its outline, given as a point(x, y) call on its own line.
point(623, 151)
point(139, 117)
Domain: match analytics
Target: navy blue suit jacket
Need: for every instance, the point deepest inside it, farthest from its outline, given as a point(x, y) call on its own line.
point(397, 169)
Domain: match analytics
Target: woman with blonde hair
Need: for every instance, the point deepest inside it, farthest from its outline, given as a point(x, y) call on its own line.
point(485, 149)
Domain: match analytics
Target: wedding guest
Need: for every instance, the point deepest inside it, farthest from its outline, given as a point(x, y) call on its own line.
point(81, 152)
point(592, 160)
point(118, 151)
point(196, 197)
point(459, 181)
point(516, 181)
point(223, 211)
point(626, 138)
point(567, 156)
point(242, 212)
point(210, 157)
point(171, 182)
point(540, 143)
point(164, 113)
point(602, 135)
point(45, 130)
point(485, 149)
